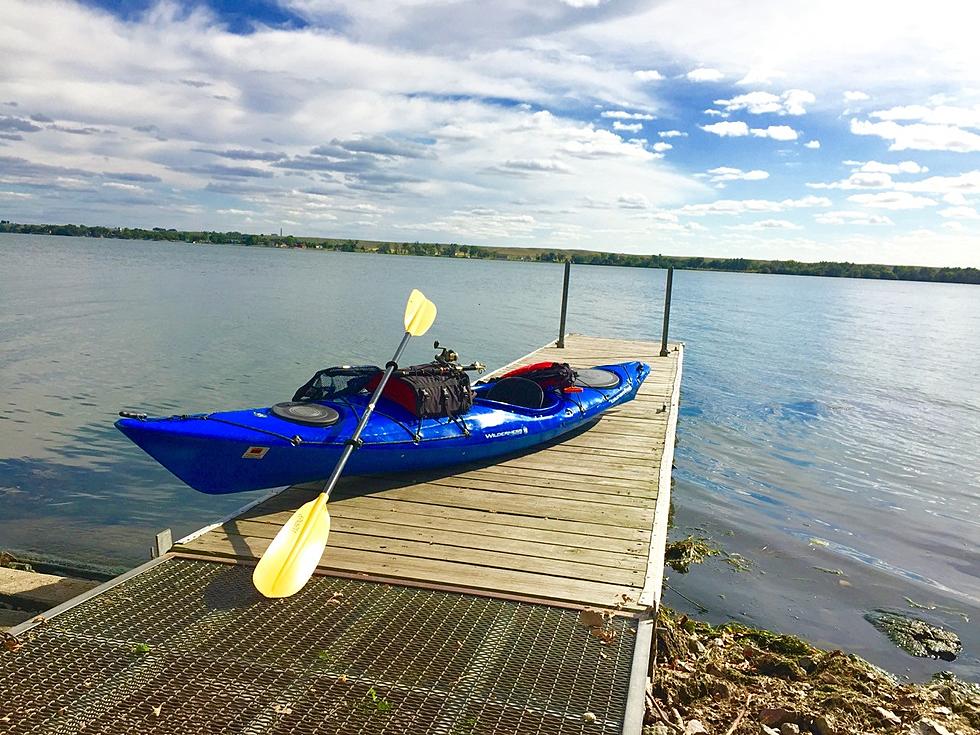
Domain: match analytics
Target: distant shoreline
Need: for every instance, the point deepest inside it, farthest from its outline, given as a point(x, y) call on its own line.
point(827, 269)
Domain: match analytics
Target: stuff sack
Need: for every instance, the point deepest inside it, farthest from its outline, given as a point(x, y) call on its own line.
point(428, 391)
point(557, 375)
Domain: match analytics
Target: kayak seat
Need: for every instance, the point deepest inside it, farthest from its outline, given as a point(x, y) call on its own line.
point(517, 392)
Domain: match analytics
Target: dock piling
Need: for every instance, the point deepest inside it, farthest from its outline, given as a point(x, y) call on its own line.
point(663, 342)
point(560, 344)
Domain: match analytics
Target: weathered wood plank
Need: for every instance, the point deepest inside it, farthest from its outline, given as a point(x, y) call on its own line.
point(598, 535)
point(474, 536)
point(39, 591)
point(541, 586)
point(504, 556)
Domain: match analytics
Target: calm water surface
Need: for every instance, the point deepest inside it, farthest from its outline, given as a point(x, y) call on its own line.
point(826, 424)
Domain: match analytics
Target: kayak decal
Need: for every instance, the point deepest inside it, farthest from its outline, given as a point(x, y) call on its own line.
point(255, 452)
point(511, 432)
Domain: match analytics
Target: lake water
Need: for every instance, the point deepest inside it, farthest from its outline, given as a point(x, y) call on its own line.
point(826, 424)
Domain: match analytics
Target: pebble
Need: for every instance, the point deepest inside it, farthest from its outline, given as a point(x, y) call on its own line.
point(694, 727)
point(776, 716)
point(931, 727)
point(823, 725)
point(789, 728)
point(889, 717)
point(766, 730)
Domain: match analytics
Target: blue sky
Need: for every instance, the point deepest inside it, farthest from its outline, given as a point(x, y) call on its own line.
point(776, 129)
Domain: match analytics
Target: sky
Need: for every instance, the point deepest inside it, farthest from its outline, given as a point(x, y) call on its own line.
point(845, 131)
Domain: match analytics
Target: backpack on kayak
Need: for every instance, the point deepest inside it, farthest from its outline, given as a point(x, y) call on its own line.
point(428, 391)
point(557, 375)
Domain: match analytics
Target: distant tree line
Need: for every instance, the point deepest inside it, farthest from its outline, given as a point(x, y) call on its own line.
point(454, 250)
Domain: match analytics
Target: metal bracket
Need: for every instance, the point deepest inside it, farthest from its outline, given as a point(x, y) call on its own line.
point(162, 543)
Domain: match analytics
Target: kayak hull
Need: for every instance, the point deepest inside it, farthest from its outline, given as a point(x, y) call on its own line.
point(238, 451)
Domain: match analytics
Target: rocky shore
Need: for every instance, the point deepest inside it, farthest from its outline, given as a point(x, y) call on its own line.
point(734, 680)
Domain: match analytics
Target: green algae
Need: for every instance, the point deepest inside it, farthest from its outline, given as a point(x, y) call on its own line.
point(915, 636)
point(680, 555)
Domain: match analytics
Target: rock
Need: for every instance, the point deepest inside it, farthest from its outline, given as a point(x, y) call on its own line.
point(808, 664)
point(789, 728)
point(714, 669)
point(694, 727)
point(589, 716)
point(888, 717)
point(770, 664)
point(823, 725)
point(926, 726)
point(776, 716)
point(766, 730)
point(720, 689)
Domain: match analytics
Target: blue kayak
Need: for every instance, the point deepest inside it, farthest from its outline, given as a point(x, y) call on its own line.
point(290, 443)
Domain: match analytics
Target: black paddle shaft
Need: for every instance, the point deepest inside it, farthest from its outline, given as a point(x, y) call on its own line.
point(355, 440)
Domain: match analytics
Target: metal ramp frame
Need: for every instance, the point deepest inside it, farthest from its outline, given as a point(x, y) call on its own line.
point(188, 646)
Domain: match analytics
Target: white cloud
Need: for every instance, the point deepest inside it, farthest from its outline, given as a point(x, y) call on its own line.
point(790, 102)
point(919, 136)
point(727, 128)
point(961, 117)
point(759, 76)
point(648, 75)
point(767, 224)
point(727, 173)
point(633, 201)
point(858, 180)
point(960, 213)
point(850, 217)
point(903, 167)
point(740, 206)
point(892, 200)
point(672, 134)
point(623, 115)
point(965, 183)
point(537, 165)
point(856, 96)
point(661, 146)
point(812, 144)
point(627, 127)
point(704, 74)
point(583, 3)
point(776, 132)
point(873, 175)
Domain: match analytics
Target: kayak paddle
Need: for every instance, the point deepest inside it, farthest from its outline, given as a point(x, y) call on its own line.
point(291, 558)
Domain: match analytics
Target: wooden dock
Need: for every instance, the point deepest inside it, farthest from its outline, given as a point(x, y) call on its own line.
point(579, 523)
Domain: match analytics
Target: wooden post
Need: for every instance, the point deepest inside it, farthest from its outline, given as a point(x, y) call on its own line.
point(560, 344)
point(663, 343)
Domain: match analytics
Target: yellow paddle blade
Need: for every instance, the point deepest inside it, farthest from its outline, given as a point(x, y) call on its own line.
point(291, 558)
point(419, 314)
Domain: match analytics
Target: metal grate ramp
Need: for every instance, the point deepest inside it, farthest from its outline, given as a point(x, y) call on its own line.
point(189, 647)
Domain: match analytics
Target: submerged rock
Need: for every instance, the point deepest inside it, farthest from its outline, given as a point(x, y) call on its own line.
point(916, 636)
